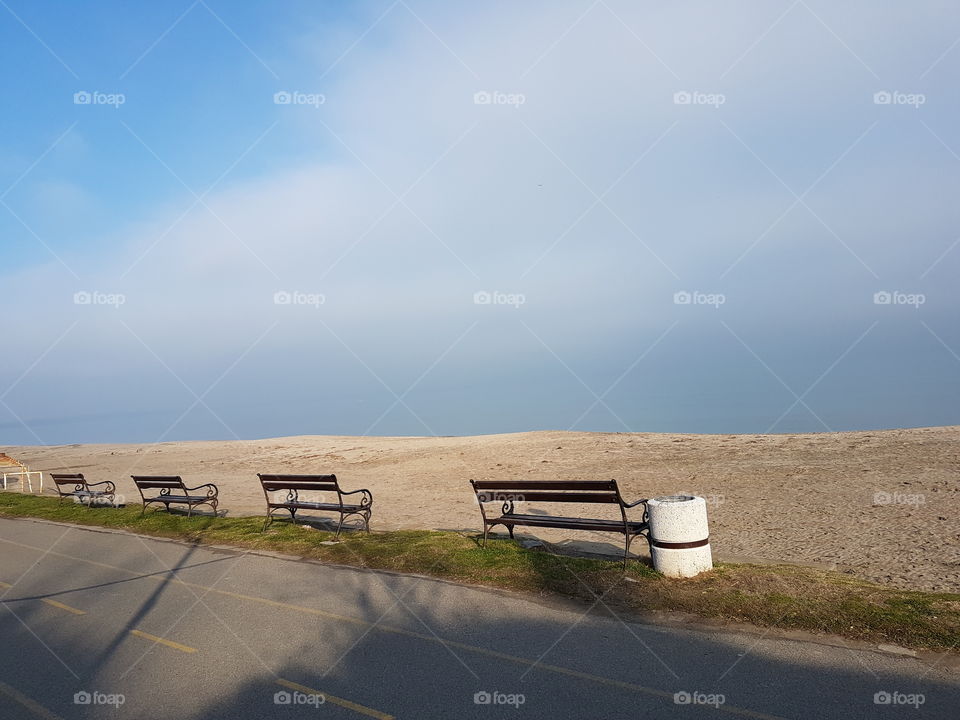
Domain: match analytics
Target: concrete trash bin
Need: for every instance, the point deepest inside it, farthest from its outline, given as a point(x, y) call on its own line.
point(679, 538)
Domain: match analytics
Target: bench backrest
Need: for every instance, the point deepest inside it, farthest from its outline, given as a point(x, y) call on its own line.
point(68, 479)
point(572, 491)
point(317, 483)
point(146, 482)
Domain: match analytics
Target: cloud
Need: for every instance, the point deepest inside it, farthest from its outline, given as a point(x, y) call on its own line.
point(598, 197)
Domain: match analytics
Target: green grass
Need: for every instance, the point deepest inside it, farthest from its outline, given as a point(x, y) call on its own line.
point(767, 595)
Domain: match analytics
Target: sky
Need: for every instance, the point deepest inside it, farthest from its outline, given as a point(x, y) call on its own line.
point(244, 220)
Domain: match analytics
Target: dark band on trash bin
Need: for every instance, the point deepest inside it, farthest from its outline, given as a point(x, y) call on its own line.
point(680, 546)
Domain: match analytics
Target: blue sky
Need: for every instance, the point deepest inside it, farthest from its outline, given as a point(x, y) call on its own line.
point(476, 219)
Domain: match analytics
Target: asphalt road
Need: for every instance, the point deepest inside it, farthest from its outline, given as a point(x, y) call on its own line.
point(107, 625)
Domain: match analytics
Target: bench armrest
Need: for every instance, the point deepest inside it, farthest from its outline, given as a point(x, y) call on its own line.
point(365, 501)
point(634, 504)
point(212, 492)
point(110, 486)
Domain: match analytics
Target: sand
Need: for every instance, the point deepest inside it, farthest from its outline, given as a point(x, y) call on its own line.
point(882, 505)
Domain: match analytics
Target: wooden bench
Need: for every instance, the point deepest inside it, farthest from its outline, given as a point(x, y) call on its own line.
point(509, 492)
point(173, 491)
point(293, 484)
point(81, 490)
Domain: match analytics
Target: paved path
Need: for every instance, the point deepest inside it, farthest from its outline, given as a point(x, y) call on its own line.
point(176, 631)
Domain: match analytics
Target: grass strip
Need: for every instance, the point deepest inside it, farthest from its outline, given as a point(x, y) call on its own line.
point(782, 596)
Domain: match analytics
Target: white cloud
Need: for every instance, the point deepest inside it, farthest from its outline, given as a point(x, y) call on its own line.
point(488, 213)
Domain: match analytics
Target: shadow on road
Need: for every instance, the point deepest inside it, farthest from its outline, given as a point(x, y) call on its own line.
point(377, 644)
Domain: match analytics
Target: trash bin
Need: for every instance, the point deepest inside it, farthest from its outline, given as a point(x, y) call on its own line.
point(679, 538)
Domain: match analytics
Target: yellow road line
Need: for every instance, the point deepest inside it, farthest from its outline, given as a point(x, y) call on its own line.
point(29, 703)
point(54, 603)
point(328, 698)
point(60, 605)
point(599, 679)
point(162, 641)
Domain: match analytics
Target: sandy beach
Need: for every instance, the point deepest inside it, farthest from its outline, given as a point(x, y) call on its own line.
point(882, 505)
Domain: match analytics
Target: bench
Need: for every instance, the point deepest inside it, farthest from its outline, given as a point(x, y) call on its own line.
point(81, 490)
point(173, 491)
point(509, 492)
point(291, 502)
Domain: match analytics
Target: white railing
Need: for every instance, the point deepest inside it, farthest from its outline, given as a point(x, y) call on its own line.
point(21, 476)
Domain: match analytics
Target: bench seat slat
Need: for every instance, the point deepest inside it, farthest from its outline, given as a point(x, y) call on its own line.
point(535, 496)
point(569, 523)
point(72, 479)
point(159, 481)
point(316, 506)
point(511, 485)
point(276, 486)
point(176, 498)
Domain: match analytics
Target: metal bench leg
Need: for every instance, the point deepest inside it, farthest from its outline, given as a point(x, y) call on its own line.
point(339, 527)
point(486, 529)
point(626, 550)
point(269, 521)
